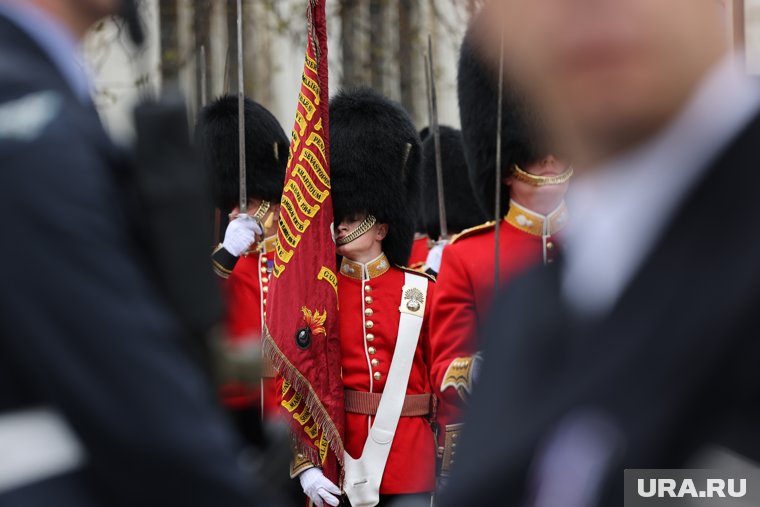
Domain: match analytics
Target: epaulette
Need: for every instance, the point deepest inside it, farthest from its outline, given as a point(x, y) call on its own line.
point(472, 231)
point(407, 269)
point(417, 265)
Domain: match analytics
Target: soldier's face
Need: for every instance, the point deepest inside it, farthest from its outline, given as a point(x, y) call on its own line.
point(366, 247)
point(607, 74)
point(541, 199)
point(79, 15)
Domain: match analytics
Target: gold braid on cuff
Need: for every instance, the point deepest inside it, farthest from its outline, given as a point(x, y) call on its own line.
point(541, 181)
point(363, 227)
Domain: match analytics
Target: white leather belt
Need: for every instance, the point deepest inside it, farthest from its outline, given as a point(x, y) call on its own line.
point(36, 445)
point(363, 475)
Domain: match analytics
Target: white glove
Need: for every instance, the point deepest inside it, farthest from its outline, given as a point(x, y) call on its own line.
point(435, 254)
point(319, 488)
point(241, 234)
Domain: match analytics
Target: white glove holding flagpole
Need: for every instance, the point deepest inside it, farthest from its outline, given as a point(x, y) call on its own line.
point(319, 488)
point(241, 234)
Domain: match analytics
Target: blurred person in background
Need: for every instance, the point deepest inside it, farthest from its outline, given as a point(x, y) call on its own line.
point(100, 403)
point(533, 187)
point(639, 349)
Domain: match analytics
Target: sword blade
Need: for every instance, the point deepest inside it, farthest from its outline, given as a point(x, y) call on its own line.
point(241, 110)
point(433, 103)
point(204, 77)
point(497, 206)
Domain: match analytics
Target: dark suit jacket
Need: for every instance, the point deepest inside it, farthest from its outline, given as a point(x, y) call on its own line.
point(672, 369)
point(83, 328)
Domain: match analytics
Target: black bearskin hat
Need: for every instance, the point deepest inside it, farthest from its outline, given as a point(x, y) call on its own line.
point(374, 165)
point(266, 151)
point(419, 224)
point(477, 87)
point(462, 208)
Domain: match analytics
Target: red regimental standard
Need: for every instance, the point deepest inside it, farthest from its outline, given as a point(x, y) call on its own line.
point(302, 333)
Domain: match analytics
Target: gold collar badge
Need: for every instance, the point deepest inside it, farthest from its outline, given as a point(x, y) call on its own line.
point(359, 271)
point(535, 223)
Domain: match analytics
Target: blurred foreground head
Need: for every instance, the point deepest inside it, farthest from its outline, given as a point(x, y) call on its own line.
point(607, 74)
point(79, 15)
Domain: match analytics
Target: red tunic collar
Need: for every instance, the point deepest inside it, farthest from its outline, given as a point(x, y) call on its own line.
point(359, 271)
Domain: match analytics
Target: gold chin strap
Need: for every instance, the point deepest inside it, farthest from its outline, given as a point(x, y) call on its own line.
point(541, 181)
point(363, 227)
point(263, 208)
point(267, 224)
point(260, 211)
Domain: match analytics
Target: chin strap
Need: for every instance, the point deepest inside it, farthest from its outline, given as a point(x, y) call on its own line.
point(541, 181)
point(362, 229)
point(261, 211)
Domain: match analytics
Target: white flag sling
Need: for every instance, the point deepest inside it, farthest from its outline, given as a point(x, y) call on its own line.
point(363, 475)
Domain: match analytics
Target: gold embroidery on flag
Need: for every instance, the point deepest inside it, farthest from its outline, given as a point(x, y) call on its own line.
point(300, 225)
point(283, 254)
point(312, 86)
point(315, 320)
point(290, 238)
point(316, 165)
point(309, 185)
point(310, 211)
point(323, 445)
point(328, 275)
point(304, 206)
point(311, 63)
point(303, 417)
point(316, 140)
point(291, 405)
point(312, 430)
point(308, 106)
point(301, 121)
point(294, 144)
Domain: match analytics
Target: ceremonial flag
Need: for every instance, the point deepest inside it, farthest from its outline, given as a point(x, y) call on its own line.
point(301, 336)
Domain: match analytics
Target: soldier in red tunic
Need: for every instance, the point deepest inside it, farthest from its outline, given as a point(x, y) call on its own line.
point(375, 158)
point(420, 249)
point(533, 188)
point(243, 259)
